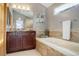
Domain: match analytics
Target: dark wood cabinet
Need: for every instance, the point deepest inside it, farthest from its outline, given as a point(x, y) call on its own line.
point(20, 40)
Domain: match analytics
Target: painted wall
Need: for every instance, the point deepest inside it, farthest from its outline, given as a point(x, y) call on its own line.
point(40, 27)
point(55, 22)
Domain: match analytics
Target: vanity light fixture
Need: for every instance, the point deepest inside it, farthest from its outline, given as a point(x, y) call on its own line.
point(64, 7)
point(21, 7)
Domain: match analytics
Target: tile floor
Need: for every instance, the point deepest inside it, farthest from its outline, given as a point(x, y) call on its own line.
point(25, 53)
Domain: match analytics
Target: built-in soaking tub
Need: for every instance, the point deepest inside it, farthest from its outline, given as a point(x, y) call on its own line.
point(63, 46)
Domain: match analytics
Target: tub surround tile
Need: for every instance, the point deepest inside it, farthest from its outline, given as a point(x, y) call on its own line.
point(58, 34)
point(75, 37)
point(53, 52)
point(65, 48)
point(45, 50)
point(41, 48)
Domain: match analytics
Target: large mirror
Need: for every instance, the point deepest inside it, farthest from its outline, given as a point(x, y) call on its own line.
point(28, 16)
point(22, 17)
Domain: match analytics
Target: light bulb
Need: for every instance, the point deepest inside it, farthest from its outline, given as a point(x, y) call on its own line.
point(14, 6)
point(27, 8)
point(23, 7)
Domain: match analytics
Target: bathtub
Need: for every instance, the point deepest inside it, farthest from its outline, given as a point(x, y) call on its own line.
point(66, 47)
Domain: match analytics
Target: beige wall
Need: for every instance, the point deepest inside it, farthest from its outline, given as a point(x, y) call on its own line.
point(55, 22)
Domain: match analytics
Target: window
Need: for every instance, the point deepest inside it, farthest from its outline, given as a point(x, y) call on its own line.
point(19, 24)
point(64, 7)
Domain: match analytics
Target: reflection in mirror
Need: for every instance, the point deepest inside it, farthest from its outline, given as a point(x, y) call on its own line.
point(21, 19)
point(21, 16)
point(32, 16)
point(19, 24)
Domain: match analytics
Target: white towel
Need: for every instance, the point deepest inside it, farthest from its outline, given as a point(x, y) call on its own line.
point(66, 29)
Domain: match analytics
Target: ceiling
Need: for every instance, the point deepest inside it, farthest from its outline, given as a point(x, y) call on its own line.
point(47, 4)
point(24, 12)
point(29, 14)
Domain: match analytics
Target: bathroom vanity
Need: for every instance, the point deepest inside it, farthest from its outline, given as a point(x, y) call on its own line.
point(20, 40)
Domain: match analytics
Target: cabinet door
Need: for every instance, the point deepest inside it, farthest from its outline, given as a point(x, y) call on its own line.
point(11, 42)
point(32, 36)
point(18, 39)
point(14, 42)
point(28, 41)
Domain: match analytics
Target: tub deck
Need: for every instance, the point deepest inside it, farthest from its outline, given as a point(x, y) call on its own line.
point(63, 46)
